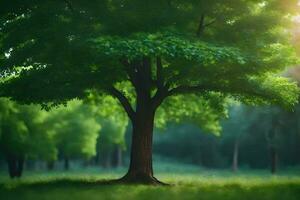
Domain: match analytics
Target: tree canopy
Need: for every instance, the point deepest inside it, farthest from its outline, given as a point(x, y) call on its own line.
point(68, 47)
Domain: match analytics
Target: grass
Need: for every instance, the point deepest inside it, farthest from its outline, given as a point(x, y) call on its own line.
point(195, 184)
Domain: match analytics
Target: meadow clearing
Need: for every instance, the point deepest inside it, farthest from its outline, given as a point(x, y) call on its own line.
point(196, 184)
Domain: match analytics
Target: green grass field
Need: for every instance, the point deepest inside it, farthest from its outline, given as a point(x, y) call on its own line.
point(196, 184)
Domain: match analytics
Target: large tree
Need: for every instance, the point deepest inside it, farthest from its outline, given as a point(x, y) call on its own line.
point(144, 52)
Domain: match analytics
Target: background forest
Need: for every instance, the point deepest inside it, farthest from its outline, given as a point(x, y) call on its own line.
point(79, 136)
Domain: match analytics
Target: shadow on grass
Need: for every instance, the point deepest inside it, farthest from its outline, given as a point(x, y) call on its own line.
point(58, 182)
point(75, 189)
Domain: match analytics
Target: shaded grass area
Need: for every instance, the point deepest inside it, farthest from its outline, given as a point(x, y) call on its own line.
point(212, 185)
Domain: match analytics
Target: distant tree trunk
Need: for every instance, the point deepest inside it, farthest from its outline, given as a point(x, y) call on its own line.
point(30, 164)
point(20, 166)
point(235, 155)
point(66, 163)
point(97, 158)
point(274, 160)
point(15, 165)
point(106, 159)
point(12, 166)
point(87, 163)
point(271, 138)
point(50, 165)
point(117, 156)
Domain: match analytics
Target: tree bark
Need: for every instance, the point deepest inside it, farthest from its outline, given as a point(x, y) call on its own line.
point(235, 156)
point(142, 118)
point(140, 169)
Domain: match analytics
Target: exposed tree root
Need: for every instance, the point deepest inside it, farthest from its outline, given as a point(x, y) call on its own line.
point(140, 179)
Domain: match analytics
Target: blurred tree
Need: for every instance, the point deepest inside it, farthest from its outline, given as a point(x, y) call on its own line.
point(163, 48)
point(111, 142)
point(22, 135)
point(75, 131)
point(234, 128)
point(188, 144)
point(114, 121)
point(268, 121)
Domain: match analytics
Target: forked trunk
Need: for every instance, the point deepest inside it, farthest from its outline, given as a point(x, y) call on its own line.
point(140, 74)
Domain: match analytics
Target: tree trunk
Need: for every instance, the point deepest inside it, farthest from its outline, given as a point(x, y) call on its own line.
point(107, 159)
point(274, 160)
point(20, 166)
point(67, 163)
point(117, 156)
point(97, 158)
point(15, 165)
point(235, 156)
point(142, 118)
point(140, 169)
point(50, 165)
point(12, 166)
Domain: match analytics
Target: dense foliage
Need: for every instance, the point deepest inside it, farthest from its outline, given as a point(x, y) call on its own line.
point(70, 46)
point(260, 132)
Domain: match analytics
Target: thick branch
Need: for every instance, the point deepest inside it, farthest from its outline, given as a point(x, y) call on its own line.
point(124, 102)
point(162, 87)
point(210, 23)
point(145, 73)
point(131, 71)
point(201, 26)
